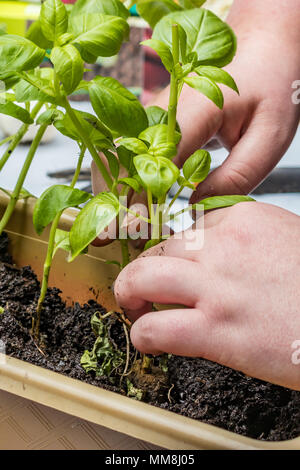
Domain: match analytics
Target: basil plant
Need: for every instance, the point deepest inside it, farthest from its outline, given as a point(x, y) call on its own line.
point(194, 46)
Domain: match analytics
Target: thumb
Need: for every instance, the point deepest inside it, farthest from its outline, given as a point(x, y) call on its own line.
point(249, 163)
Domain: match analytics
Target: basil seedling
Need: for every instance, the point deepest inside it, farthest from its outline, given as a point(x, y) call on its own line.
point(193, 44)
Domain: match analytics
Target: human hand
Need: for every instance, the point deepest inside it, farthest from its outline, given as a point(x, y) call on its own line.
point(241, 290)
point(256, 127)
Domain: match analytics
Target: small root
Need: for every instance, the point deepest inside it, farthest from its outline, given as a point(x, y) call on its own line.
point(169, 393)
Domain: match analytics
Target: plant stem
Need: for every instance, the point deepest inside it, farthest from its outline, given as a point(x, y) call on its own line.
point(173, 100)
point(125, 252)
point(18, 137)
point(174, 198)
point(87, 142)
point(16, 192)
point(49, 257)
point(7, 139)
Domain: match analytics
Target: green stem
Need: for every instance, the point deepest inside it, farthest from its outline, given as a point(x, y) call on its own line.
point(18, 137)
point(173, 100)
point(7, 139)
point(174, 198)
point(125, 252)
point(87, 142)
point(16, 192)
point(49, 257)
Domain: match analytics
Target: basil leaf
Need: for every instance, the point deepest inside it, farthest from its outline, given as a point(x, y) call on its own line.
point(136, 146)
point(107, 7)
point(92, 220)
point(11, 109)
point(68, 65)
point(42, 90)
point(49, 117)
point(167, 150)
point(113, 163)
point(157, 115)
point(66, 127)
point(53, 19)
point(61, 241)
point(35, 34)
point(157, 173)
point(217, 75)
point(188, 4)
point(52, 201)
point(98, 35)
point(116, 107)
point(18, 54)
point(162, 50)
point(153, 10)
point(126, 159)
point(156, 135)
point(208, 88)
point(217, 202)
point(209, 39)
point(132, 182)
point(197, 166)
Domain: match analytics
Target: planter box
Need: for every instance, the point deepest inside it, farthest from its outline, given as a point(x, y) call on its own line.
point(75, 415)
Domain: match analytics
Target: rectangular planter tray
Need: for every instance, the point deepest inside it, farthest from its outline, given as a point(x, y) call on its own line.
point(81, 280)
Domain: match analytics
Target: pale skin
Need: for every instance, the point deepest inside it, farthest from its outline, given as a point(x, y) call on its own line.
point(241, 289)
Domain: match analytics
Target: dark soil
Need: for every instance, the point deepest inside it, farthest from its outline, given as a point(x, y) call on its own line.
point(195, 388)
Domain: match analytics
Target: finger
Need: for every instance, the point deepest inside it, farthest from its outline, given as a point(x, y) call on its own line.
point(156, 279)
point(249, 163)
point(184, 332)
point(196, 133)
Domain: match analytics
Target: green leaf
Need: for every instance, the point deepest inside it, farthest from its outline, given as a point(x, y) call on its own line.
point(217, 75)
point(217, 202)
point(18, 54)
point(162, 50)
point(113, 163)
point(98, 35)
point(157, 173)
point(132, 182)
point(49, 117)
point(107, 7)
point(157, 115)
point(126, 159)
point(188, 4)
point(92, 220)
point(53, 200)
point(167, 150)
point(11, 109)
point(209, 39)
point(116, 107)
point(133, 144)
point(156, 135)
point(153, 10)
point(208, 88)
point(61, 241)
point(35, 34)
point(91, 126)
point(40, 88)
point(68, 65)
point(53, 19)
point(197, 166)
